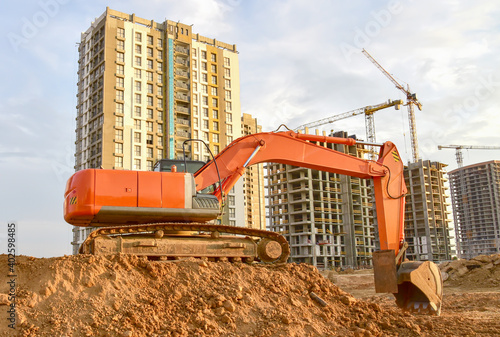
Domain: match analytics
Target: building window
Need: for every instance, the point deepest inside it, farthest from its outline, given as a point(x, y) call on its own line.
point(205, 112)
point(195, 110)
point(215, 114)
point(195, 123)
point(204, 100)
point(160, 140)
point(150, 64)
point(138, 98)
point(195, 99)
point(204, 54)
point(204, 77)
point(160, 54)
point(119, 108)
point(137, 150)
point(138, 61)
point(159, 154)
point(160, 129)
point(214, 57)
point(137, 73)
point(149, 150)
point(214, 68)
point(120, 69)
point(204, 89)
point(137, 111)
point(229, 129)
point(193, 52)
point(119, 148)
point(138, 37)
point(120, 57)
point(138, 49)
point(150, 40)
point(227, 84)
point(160, 79)
point(119, 121)
point(119, 82)
point(149, 126)
point(159, 102)
point(195, 86)
point(216, 149)
point(150, 165)
point(205, 136)
point(204, 66)
point(215, 137)
point(120, 45)
point(149, 52)
point(137, 137)
point(137, 124)
point(119, 95)
point(214, 91)
point(227, 62)
point(138, 86)
point(150, 101)
point(228, 94)
point(232, 212)
point(214, 102)
point(149, 76)
point(195, 75)
point(120, 32)
point(229, 106)
point(159, 43)
point(215, 126)
point(137, 164)
point(118, 134)
point(214, 79)
point(149, 141)
point(205, 124)
point(150, 113)
point(160, 115)
point(160, 66)
point(118, 161)
point(227, 72)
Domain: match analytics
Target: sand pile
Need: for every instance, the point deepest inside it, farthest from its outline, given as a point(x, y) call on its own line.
point(124, 295)
point(482, 271)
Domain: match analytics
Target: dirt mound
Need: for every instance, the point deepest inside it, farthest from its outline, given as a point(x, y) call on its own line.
point(124, 295)
point(482, 271)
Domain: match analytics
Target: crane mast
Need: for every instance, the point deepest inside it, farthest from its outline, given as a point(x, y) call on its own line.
point(411, 99)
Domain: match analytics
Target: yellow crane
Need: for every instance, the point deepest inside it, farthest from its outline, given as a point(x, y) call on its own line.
point(411, 99)
point(368, 111)
point(459, 148)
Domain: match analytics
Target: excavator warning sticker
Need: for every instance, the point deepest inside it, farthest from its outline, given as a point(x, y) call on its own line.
point(73, 201)
point(396, 156)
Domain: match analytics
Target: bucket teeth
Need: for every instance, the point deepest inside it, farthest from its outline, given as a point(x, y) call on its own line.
point(424, 308)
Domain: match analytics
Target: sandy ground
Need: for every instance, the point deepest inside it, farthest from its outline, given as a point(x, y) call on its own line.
point(122, 295)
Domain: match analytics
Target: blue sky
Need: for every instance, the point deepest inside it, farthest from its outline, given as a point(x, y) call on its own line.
point(300, 61)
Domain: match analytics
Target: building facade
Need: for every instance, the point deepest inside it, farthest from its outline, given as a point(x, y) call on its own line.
point(254, 189)
point(327, 218)
point(475, 192)
point(427, 218)
point(145, 89)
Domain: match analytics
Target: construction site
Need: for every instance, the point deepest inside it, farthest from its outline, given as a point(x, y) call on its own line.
point(189, 220)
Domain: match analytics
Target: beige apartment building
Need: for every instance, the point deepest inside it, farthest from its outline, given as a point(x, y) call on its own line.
point(253, 182)
point(146, 87)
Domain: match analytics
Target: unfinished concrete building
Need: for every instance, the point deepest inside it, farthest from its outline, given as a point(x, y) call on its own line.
point(427, 219)
point(475, 192)
point(327, 218)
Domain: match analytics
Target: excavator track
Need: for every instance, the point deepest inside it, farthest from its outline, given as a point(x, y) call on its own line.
point(176, 240)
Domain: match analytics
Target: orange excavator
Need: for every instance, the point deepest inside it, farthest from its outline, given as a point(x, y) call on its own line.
point(166, 215)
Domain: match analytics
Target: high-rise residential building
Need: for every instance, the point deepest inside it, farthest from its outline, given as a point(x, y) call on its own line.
point(427, 218)
point(254, 190)
point(145, 88)
point(475, 193)
point(327, 218)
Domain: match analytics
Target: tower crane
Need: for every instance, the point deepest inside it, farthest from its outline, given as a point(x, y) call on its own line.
point(411, 99)
point(368, 111)
point(459, 148)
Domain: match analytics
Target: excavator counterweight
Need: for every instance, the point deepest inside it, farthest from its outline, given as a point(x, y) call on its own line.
point(165, 215)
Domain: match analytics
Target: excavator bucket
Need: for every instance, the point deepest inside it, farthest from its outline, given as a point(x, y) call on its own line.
point(420, 287)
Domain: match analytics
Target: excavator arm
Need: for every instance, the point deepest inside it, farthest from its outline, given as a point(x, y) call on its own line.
point(301, 150)
point(417, 286)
